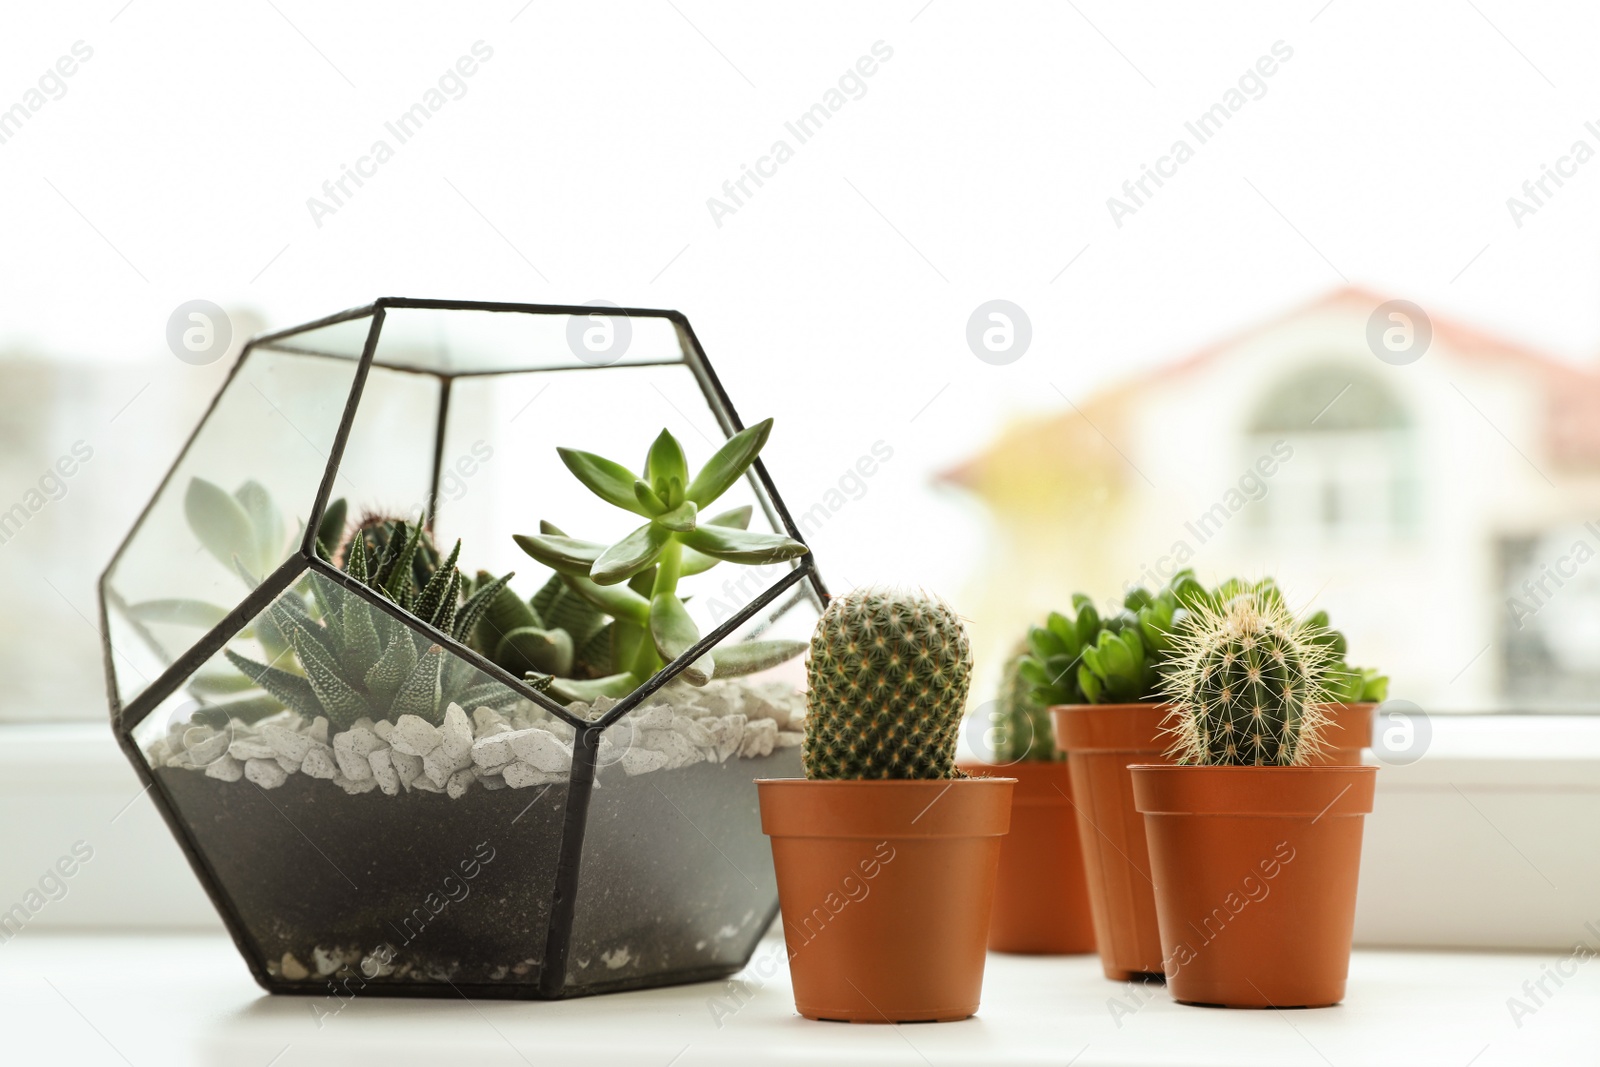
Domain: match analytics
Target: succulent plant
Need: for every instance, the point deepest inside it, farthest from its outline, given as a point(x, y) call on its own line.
point(1021, 722)
point(1346, 684)
point(356, 660)
point(1246, 683)
point(888, 678)
point(635, 581)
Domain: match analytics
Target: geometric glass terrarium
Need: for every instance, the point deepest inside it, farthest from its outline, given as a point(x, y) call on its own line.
point(395, 776)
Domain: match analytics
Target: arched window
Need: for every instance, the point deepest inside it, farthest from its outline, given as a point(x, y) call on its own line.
point(1352, 474)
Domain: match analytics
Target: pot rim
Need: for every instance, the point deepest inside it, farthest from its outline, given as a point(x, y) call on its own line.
point(1097, 728)
point(1263, 792)
point(885, 809)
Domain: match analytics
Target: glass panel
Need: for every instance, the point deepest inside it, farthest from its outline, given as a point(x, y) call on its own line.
point(677, 877)
point(233, 509)
point(346, 339)
point(398, 819)
point(480, 342)
point(387, 466)
point(502, 476)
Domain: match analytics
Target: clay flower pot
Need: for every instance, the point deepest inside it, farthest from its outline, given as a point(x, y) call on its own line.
point(1041, 903)
point(1100, 741)
point(1349, 730)
point(885, 889)
point(1255, 871)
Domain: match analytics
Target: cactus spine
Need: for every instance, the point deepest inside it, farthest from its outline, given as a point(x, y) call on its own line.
point(888, 676)
point(1247, 684)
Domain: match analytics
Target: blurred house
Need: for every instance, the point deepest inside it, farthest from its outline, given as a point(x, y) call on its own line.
point(1436, 509)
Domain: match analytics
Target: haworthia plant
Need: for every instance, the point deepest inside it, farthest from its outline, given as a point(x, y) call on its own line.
point(356, 660)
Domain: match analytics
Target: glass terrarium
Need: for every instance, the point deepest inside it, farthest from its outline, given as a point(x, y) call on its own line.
point(415, 736)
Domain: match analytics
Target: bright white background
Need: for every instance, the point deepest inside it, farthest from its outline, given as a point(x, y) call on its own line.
point(977, 165)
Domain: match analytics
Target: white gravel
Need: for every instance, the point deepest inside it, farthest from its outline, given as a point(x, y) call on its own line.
point(680, 725)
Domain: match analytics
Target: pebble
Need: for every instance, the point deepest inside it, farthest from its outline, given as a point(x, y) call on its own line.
point(414, 736)
point(696, 734)
point(493, 750)
point(286, 744)
point(642, 760)
point(319, 730)
point(458, 783)
point(521, 775)
point(455, 738)
point(438, 765)
point(319, 762)
point(655, 717)
point(383, 730)
point(352, 748)
point(788, 739)
point(730, 736)
point(485, 718)
point(383, 772)
point(759, 737)
point(541, 748)
point(673, 745)
point(292, 968)
point(226, 768)
point(265, 772)
point(249, 748)
point(353, 787)
point(409, 768)
point(203, 744)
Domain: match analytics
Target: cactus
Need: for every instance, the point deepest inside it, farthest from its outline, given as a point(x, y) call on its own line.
point(1246, 683)
point(888, 676)
point(635, 581)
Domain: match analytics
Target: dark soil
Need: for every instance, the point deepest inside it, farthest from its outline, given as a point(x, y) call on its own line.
point(676, 882)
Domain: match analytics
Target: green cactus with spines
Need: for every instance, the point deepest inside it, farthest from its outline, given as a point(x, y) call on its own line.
point(1246, 683)
point(888, 676)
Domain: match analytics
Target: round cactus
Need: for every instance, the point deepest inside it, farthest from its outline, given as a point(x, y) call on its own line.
point(1246, 684)
point(888, 676)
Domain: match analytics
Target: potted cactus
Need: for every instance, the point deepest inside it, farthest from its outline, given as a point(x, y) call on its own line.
point(885, 852)
point(1254, 847)
point(1041, 897)
point(1126, 661)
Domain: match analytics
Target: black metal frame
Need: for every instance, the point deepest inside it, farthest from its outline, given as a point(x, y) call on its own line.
point(803, 577)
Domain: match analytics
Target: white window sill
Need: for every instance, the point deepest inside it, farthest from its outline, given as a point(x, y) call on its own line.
point(188, 1000)
point(1484, 843)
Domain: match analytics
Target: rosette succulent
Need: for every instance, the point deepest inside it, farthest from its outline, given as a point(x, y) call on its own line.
point(635, 581)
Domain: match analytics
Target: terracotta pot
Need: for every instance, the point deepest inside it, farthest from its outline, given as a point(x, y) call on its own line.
point(885, 889)
point(1041, 902)
point(1255, 871)
point(1100, 741)
point(1348, 733)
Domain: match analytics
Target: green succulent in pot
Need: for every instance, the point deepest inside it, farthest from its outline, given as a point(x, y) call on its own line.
point(1346, 684)
point(635, 580)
